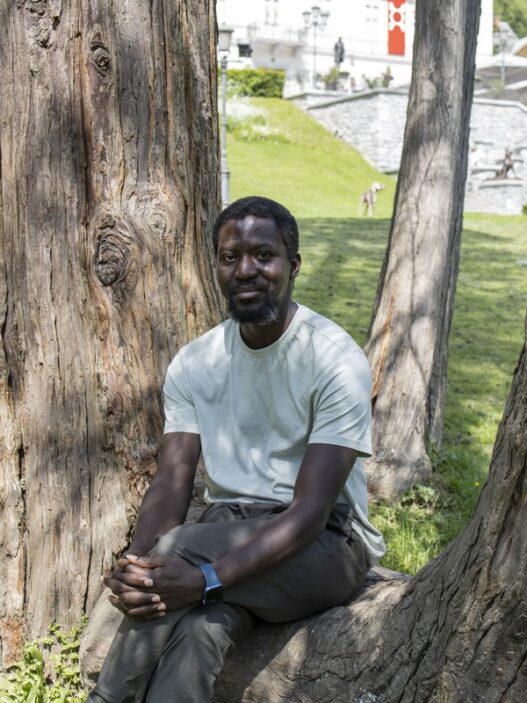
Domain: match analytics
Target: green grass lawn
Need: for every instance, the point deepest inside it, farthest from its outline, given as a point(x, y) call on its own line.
point(320, 180)
point(301, 165)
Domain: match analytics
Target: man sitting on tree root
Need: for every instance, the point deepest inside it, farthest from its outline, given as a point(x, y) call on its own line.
point(277, 399)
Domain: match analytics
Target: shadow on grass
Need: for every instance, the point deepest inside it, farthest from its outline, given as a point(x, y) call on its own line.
point(342, 259)
point(341, 263)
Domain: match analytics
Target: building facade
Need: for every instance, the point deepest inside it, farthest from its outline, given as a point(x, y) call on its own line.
point(377, 38)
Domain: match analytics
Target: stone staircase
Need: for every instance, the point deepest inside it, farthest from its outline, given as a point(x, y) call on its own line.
point(485, 190)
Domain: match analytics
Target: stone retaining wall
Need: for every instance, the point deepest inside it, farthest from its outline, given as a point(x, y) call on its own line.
point(504, 197)
point(373, 123)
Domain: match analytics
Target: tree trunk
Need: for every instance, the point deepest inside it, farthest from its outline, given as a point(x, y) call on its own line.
point(408, 338)
point(455, 633)
point(109, 163)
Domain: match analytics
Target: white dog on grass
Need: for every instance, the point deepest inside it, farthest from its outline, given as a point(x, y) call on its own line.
point(369, 198)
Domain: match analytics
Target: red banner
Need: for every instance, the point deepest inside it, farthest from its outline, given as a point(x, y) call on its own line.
point(396, 27)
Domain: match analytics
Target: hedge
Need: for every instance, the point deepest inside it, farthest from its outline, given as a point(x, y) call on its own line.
point(256, 82)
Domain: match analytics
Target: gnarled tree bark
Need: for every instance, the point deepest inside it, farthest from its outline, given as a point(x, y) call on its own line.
point(109, 187)
point(408, 338)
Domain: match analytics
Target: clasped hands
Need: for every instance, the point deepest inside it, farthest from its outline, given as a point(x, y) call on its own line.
point(146, 587)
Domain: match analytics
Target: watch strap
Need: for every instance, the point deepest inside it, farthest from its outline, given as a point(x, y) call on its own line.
point(213, 590)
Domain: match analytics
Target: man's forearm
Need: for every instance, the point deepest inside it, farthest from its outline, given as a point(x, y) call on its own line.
point(166, 502)
point(274, 543)
point(177, 583)
point(165, 505)
point(321, 478)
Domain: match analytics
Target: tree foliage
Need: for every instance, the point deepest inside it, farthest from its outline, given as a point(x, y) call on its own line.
point(256, 82)
point(514, 12)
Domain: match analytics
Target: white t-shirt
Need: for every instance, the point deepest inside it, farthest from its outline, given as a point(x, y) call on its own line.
point(256, 410)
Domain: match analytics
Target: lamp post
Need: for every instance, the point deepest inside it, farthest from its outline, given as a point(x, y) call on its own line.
point(503, 46)
point(224, 45)
point(316, 19)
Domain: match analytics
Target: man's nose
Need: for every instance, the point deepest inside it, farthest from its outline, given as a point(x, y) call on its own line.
point(246, 267)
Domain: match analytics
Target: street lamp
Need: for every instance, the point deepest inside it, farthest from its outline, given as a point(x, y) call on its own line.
point(316, 19)
point(224, 45)
point(503, 46)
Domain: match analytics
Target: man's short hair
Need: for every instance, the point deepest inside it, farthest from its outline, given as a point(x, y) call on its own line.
point(258, 206)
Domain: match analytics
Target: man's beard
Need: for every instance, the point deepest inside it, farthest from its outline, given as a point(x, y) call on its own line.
point(265, 313)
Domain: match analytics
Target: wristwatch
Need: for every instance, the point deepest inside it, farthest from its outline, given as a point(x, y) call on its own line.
point(213, 591)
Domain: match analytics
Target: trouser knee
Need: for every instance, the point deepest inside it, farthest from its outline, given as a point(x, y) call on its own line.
point(207, 634)
point(199, 626)
point(173, 543)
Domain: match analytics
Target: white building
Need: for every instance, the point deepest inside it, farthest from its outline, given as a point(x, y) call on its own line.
point(377, 35)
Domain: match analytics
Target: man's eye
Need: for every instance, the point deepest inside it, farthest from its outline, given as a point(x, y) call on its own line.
point(228, 258)
point(264, 255)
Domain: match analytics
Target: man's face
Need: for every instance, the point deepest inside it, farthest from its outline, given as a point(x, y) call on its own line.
point(254, 270)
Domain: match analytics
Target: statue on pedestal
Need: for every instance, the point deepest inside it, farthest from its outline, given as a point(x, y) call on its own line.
point(338, 52)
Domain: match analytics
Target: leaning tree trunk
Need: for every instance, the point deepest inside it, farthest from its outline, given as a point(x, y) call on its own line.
point(109, 162)
point(455, 633)
point(408, 337)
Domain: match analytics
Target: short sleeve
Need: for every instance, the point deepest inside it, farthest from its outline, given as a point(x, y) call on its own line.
point(342, 412)
point(180, 413)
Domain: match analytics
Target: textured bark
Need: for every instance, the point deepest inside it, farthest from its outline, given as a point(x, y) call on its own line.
point(408, 337)
point(109, 162)
point(455, 633)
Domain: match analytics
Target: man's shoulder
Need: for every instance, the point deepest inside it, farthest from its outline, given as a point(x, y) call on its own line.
point(325, 333)
point(213, 338)
point(206, 350)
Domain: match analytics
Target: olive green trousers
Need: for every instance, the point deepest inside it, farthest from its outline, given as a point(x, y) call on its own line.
point(177, 658)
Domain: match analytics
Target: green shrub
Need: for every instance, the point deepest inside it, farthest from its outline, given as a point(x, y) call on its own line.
point(256, 82)
point(29, 681)
point(514, 12)
point(331, 78)
point(381, 81)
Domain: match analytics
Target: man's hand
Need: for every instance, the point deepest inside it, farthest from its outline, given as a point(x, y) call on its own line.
point(145, 587)
point(164, 506)
point(134, 582)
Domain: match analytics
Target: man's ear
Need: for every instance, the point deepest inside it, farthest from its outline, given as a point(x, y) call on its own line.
point(295, 267)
